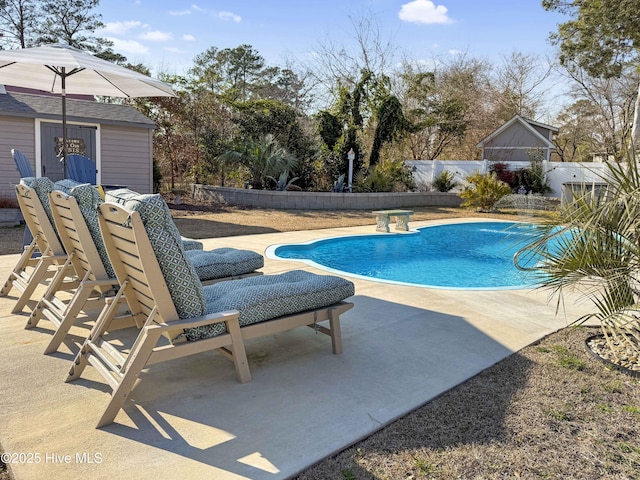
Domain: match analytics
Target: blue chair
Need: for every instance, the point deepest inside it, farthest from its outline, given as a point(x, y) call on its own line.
point(24, 168)
point(81, 169)
point(22, 162)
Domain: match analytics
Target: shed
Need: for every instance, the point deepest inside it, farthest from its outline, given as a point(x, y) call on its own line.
point(515, 139)
point(117, 137)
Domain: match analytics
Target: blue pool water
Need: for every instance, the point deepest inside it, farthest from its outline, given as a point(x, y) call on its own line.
point(476, 255)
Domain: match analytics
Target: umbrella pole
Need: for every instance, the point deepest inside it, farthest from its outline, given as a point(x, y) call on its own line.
point(64, 124)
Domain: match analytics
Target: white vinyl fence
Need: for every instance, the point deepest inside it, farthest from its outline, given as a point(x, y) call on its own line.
point(558, 173)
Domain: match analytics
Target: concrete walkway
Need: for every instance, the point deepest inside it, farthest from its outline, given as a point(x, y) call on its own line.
point(189, 418)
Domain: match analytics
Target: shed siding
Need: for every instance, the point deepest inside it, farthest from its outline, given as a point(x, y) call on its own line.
point(507, 154)
point(516, 136)
point(15, 133)
point(545, 132)
point(126, 157)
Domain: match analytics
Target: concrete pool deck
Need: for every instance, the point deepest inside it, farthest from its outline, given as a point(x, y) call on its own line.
point(190, 418)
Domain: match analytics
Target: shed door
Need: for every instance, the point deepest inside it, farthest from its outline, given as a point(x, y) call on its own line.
point(81, 140)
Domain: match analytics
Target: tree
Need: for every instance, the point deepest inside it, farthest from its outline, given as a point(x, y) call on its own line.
point(575, 141)
point(263, 157)
point(338, 66)
point(600, 119)
point(258, 118)
point(73, 22)
point(603, 37)
point(18, 22)
point(391, 125)
point(435, 107)
point(519, 83)
point(230, 72)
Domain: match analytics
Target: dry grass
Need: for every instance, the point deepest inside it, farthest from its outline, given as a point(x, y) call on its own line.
point(548, 411)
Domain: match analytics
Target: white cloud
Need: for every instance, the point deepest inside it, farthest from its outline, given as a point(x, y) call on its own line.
point(229, 16)
point(128, 46)
point(179, 13)
point(120, 28)
point(456, 52)
point(423, 11)
point(156, 36)
point(188, 38)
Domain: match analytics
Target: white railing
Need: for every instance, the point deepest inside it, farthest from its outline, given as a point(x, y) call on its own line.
point(558, 173)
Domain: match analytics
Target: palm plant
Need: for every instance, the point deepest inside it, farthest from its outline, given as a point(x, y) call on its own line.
point(593, 247)
point(283, 182)
point(263, 157)
point(484, 191)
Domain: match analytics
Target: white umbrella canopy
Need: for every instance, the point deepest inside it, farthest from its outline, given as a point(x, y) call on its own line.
point(64, 69)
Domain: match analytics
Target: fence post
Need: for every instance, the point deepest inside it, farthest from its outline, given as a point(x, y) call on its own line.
point(435, 170)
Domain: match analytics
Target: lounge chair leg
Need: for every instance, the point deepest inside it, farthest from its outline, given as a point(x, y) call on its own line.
point(336, 332)
point(101, 326)
point(238, 351)
point(68, 318)
point(54, 286)
point(20, 267)
point(37, 276)
point(136, 362)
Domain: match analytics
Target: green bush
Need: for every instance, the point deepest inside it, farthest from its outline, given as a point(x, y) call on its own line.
point(445, 182)
point(484, 191)
point(385, 176)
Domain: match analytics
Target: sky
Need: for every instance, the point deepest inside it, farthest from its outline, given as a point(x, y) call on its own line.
point(167, 35)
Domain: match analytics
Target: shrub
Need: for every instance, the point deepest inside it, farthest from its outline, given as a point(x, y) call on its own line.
point(503, 173)
point(385, 176)
point(445, 182)
point(484, 191)
point(534, 179)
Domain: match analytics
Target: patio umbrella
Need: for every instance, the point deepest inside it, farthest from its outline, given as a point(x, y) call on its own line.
point(64, 69)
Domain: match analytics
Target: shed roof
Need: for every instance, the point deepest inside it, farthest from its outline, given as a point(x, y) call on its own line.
point(527, 124)
point(50, 107)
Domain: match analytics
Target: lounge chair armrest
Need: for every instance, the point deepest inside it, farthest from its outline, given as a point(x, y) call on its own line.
point(217, 317)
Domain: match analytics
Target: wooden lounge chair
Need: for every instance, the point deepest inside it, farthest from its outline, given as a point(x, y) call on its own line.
point(31, 271)
point(184, 318)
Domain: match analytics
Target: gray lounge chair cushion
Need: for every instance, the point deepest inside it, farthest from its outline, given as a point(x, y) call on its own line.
point(125, 195)
point(271, 296)
point(43, 187)
point(224, 262)
point(67, 184)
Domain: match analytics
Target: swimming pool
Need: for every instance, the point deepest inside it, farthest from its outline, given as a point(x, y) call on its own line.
point(471, 255)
